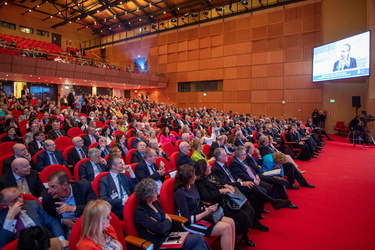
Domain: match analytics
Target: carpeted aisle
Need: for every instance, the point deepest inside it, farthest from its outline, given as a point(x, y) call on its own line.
point(338, 214)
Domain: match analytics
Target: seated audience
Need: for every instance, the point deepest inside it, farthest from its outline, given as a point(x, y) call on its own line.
point(20, 151)
point(120, 143)
point(140, 137)
point(103, 146)
point(196, 145)
point(78, 153)
point(183, 157)
point(37, 237)
point(148, 168)
point(30, 135)
point(88, 170)
point(116, 187)
point(138, 155)
point(50, 156)
point(55, 131)
point(11, 135)
point(155, 146)
point(24, 178)
point(37, 144)
point(66, 199)
point(17, 214)
point(152, 223)
point(91, 137)
point(96, 230)
point(166, 136)
point(186, 199)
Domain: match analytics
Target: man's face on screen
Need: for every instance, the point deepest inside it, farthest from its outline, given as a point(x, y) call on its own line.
point(344, 52)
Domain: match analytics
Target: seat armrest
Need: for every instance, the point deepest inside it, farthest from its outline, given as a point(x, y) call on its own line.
point(138, 242)
point(177, 218)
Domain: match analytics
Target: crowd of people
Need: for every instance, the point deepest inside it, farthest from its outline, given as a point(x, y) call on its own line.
point(219, 155)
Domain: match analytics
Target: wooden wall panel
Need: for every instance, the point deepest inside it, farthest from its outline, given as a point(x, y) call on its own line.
point(275, 96)
point(230, 37)
point(192, 76)
point(193, 33)
point(217, 51)
point(217, 40)
point(244, 59)
point(244, 47)
point(237, 84)
point(275, 70)
point(259, 45)
point(309, 24)
point(182, 46)
point(244, 108)
point(244, 23)
point(293, 27)
point(162, 40)
point(244, 72)
point(293, 41)
point(172, 37)
point(193, 44)
point(260, 32)
point(171, 67)
point(293, 13)
point(275, 30)
point(212, 97)
point(244, 35)
point(216, 63)
point(230, 73)
point(258, 83)
point(204, 64)
point(293, 95)
point(309, 39)
point(259, 96)
point(275, 43)
point(163, 49)
point(204, 31)
point(276, 56)
point(259, 58)
point(182, 66)
point(192, 65)
point(311, 95)
point(274, 109)
point(154, 51)
point(193, 54)
point(276, 17)
point(182, 56)
point(205, 53)
point(205, 42)
point(293, 68)
point(163, 59)
point(230, 25)
point(258, 108)
point(230, 49)
point(181, 76)
point(183, 35)
point(292, 110)
point(293, 54)
point(217, 28)
point(230, 61)
point(259, 71)
point(172, 58)
point(260, 20)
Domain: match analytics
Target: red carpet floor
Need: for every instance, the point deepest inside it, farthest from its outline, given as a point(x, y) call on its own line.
point(338, 214)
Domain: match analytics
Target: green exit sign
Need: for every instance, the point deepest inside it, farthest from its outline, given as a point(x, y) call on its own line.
point(332, 100)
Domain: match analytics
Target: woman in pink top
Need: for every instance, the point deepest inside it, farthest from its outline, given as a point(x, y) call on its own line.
point(166, 136)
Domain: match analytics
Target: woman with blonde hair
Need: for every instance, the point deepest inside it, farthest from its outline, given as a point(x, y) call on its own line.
point(96, 231)
point(198, 154)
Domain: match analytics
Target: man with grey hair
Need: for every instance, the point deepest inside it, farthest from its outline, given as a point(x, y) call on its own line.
point(140, 137)
point(148, 168)
point(88, 170)
point(78, 153)
point(103, 146)
point(183, 156)
point(50, 156)
point(185, 137)
point(254, 194)
point(20, 151)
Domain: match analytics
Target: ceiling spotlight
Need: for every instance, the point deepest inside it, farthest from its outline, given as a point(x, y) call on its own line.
point(194, 14)
point(187, 14)
point(183, 20)
point(245, 3)
point(219, 9)
point(70, 21)
point(174, 20)
point(78, 18)
point(29, 10)
point(153, 26)
point(59, 12)
point(87, 26)
point(51, 16)
point(38, 6)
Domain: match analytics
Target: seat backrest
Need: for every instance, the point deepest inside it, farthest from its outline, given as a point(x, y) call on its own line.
point(118, 132)
point(95, 182)
point(130, 142)
point(93, 145)
point(206, 150)
point(177, 144)
point(128, 156)
point(167, 165)
point(99, 124)
point(35, 157)
point(49, 170)
point(167, 196)
point(129, 133)
point(29, 197)
point(23, 122)
point(23, 130)
point(2, 159)
point(129, 208)
point(168, 148)
point(63, 142)
point(173, 160)
point(11, 245)
point(6, 148)
point(74, 131)
point(66, 152)
point(76, 168)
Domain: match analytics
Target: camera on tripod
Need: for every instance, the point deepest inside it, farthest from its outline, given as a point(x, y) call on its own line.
point(367, 118)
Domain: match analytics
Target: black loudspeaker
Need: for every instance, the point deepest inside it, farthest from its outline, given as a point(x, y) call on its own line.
point(356, 101)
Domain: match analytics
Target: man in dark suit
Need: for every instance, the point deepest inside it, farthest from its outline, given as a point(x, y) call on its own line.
point(50, 156)
point(138, 155)
point(66, 200)
point(19, 151)
point(71, 99)
point(240, 139)
point(183, 156)
point(256, 195)
point(148, 168)
point(78, 153)
point(140, 137)
point(116, 187)
point(345, 62)
point(138, 127)
point(177, 123)
point(103, 146)
point(36, 145)
point(24, 178)
point(104, 117)
point(220, 141)
point(90, 169)
point(16, 211)
point(91, 137)
point(55, 131)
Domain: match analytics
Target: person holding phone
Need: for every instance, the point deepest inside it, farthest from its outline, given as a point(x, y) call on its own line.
point(186, 199)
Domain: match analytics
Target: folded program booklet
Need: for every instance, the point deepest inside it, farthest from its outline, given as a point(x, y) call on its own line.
point(175, 240)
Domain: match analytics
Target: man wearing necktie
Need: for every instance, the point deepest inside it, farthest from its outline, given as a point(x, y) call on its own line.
point(50, 156)
point(78, 153)
point(20, 151)
point(255, 194)
point(103, 146)
point(88, 170)
point(55, 131)
point(116, 187)
point(148, 168)
point(91, 137)
point(17, 214)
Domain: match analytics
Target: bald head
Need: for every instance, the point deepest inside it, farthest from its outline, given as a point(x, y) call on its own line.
point(21, 167)
point(77, 142)
point(19, 150)
point(184, 147)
